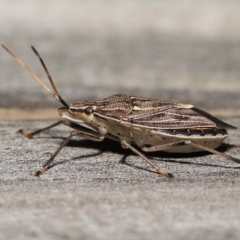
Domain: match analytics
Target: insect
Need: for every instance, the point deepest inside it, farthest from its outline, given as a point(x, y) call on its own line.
point(137, 123)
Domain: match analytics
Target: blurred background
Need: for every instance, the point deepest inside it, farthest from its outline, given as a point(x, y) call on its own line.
point(185, 51)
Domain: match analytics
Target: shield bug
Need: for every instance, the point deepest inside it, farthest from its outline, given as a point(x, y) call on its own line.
point(137, 123)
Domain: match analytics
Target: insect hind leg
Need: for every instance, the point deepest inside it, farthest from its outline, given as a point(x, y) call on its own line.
point(30, 135)
point(186, 142)
point(153, 165)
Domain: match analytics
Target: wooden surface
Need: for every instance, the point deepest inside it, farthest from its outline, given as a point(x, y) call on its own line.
point(184, 51)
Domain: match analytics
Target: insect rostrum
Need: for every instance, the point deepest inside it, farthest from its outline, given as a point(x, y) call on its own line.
point(137, 123)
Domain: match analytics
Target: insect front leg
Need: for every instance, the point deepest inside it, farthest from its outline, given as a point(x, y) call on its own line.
point(153, 165)
point(30, 135)
point(90, 136)
point(186, 142)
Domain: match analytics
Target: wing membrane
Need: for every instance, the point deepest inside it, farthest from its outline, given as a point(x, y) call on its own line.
point(172, 118)
point(156, 114)
point(169, 115)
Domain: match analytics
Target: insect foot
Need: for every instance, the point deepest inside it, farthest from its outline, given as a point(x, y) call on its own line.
point(165, 174)
point(25, 134)
point(40, 171)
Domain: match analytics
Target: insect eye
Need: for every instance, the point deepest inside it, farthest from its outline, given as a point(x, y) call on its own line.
point(88, 110)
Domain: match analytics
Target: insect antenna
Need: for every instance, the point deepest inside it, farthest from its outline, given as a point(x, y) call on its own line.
point(55, 94)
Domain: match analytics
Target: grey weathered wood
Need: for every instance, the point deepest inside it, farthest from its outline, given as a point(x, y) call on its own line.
point(92, 195)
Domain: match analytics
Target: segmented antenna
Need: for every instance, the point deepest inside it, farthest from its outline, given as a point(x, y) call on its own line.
point(50, 78)
point(55, 94)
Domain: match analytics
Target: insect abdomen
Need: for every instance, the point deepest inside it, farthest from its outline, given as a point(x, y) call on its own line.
point(211, 138)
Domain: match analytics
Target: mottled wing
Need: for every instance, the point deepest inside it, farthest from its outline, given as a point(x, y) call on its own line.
point(156, 114)
point(169, 115)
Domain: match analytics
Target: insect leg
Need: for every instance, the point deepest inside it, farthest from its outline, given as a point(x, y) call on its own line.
point(90, 136)
point(215, 152)
point(153, 165)
point(185, 142)
point(30, 135)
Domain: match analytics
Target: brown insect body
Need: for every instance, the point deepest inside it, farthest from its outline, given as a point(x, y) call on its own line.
point(150, 124)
